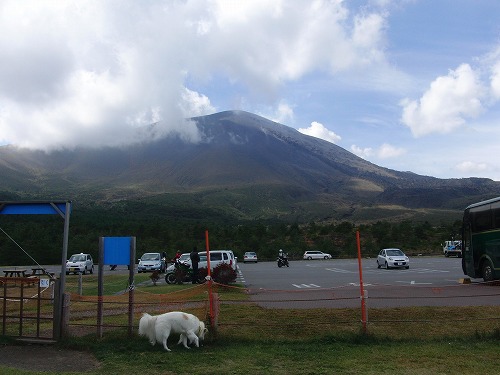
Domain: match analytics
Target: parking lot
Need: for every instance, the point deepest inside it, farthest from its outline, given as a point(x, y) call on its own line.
point(436, 271)
point(430, 281)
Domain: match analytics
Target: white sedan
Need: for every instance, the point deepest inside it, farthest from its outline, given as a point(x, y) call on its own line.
point(309, 255)
point(250, 256)
point(392, 258)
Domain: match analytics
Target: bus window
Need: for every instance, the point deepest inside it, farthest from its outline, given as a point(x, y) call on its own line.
point(481, 220)
point(495, 209)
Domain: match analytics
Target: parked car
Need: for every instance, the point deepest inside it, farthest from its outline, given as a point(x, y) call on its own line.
point(151, 262)
point(80, 263)
point(309, 255)
point(392, 258)
point(216, 257)
point(250, 256)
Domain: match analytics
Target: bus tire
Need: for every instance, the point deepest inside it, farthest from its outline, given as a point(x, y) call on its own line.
point(487, 271)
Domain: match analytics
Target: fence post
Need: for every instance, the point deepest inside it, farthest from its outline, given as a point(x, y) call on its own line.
point(131, 287)
point(210, 281)
point(57, 310)
point(65, 315)
point(80, 284)
point(100, 287)
point(361, 287)
point(60, 312)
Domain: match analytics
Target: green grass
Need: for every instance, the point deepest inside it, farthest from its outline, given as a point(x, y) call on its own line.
point(349, 354)
point(254, 340)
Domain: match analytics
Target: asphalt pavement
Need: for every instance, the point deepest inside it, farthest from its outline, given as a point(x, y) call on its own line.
point(430, 281)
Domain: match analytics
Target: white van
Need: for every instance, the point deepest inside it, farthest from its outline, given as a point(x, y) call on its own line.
point(216, 257)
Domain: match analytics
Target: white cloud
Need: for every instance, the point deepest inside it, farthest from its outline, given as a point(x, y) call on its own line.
point(492, 64)
point(319, 131)
point(385, 151)
point(364, 153)
point(495, 81)
point(471, 168)
point(104, 70)
point(195, 104)
point(368, 36)
point(447, 104)
point(283, 113)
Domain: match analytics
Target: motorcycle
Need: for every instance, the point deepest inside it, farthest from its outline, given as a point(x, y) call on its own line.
point(282, 262)
point(182, 272)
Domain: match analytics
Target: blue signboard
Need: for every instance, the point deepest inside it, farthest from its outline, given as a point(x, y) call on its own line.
point(117, 250)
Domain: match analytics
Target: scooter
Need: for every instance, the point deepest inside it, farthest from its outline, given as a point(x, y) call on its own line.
point(282, 262)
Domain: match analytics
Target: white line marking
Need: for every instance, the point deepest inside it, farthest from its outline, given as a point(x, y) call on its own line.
point(338, 270)
point(300, 286)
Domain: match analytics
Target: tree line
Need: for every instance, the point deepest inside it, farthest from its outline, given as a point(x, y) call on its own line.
point(41, 237)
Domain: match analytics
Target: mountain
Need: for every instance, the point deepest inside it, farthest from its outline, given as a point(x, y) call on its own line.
point(246, 167)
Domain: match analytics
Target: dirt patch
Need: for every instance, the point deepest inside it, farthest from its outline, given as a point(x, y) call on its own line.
point(46, 358)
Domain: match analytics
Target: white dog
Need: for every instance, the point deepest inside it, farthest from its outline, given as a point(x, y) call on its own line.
point(158, 328)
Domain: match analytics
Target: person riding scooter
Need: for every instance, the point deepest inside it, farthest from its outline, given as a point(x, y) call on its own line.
point(282, 259)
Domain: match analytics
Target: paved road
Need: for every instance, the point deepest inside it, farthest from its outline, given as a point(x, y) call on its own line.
point(430, 281)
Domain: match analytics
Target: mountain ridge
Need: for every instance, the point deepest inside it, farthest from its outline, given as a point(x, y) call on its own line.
point(245, 165)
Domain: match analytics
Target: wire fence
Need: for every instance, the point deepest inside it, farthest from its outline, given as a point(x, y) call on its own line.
point(236, 311)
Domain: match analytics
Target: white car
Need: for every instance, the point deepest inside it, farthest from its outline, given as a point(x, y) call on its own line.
point(151, 262)
point(392, 258)
point(216, 257)
point(250, 256)
point(309, 255)
point(80, 263)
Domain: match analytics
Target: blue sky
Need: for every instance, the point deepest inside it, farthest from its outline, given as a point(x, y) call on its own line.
point(411, 85)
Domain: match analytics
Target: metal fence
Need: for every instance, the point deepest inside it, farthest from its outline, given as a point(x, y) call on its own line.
point(27, 307)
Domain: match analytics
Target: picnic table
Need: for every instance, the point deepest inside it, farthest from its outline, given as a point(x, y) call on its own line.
point(15, 273)
point(39, 271)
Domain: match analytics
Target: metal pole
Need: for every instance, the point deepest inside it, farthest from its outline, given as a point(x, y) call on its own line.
point(100, 286)
point(210, 294)
point(131, 287)
point(62, 283)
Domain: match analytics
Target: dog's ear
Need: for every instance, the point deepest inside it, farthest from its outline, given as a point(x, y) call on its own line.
point(205, 330)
